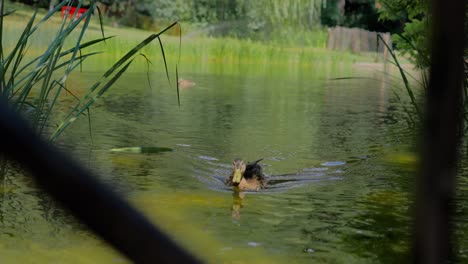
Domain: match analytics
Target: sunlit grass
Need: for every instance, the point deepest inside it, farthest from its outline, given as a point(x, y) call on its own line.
point(198, 52)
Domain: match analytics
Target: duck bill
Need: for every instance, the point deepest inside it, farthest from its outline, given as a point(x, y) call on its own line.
point(236, 177)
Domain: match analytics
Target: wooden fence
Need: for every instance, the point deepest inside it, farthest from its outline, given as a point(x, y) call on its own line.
point(357, 40)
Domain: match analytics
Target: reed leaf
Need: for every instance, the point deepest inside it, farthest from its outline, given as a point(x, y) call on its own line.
point(403, 76)
point(64, 53)
point(22, 41)
point(40, 72)
point(79, 109)
point(177, 85)
point(164, 59)
point(148, 63)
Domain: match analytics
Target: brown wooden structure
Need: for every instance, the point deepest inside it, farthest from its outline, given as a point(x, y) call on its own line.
point(357, 40)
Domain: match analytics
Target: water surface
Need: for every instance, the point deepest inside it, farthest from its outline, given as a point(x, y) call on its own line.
point(333, 196)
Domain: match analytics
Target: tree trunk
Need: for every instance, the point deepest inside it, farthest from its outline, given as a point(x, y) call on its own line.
point(436, 183)
point(51, 5)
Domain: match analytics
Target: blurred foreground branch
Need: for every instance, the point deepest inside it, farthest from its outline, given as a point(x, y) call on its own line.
point(441, 136)
point(93, 203)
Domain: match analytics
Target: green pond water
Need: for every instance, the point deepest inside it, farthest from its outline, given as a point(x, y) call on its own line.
point(335, 196)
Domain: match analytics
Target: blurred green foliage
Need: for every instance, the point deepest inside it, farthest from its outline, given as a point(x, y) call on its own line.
point(415, 36)
point(286, 21)
point(256, 20)
point(357, 13)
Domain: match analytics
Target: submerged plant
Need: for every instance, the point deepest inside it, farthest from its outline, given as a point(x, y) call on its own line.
point(33, 84)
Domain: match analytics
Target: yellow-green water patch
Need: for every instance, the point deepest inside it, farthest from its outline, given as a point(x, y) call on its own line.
point(172, 211)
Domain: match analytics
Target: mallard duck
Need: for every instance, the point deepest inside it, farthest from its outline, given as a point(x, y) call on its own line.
point(248, 177)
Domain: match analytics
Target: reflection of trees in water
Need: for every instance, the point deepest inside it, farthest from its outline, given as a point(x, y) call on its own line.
point(219, 115)
point(460, 217)
point(381, 230)
point(224, 116)
point(352, 112)
point(11, 209)
point(25, 210)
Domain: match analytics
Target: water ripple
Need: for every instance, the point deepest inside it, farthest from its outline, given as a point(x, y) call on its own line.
point(213, 174)
point(333, 163)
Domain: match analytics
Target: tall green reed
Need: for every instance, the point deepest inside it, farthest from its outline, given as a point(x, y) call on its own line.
point(34, 83)
point(411, 106)
point(415, 114)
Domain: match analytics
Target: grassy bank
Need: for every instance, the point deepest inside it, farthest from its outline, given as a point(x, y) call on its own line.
point(45, 51)
point(198, 51)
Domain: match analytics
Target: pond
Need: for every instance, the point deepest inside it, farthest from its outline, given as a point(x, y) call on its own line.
point(333, 198)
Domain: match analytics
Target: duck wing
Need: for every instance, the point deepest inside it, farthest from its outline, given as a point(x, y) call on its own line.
point(254, 170)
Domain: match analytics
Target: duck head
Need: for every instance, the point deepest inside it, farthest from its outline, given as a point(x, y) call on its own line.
point(238, 171)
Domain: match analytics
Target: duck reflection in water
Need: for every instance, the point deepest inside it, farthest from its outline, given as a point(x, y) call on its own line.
point(244, 177)
point(237, 198)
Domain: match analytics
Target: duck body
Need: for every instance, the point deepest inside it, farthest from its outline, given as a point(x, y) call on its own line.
point(248, 177)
